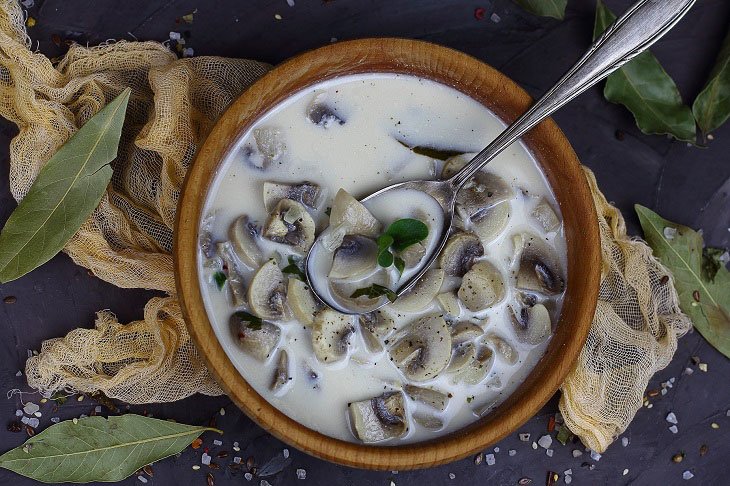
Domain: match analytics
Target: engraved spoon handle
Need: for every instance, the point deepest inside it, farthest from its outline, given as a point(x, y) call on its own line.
point(630, 35)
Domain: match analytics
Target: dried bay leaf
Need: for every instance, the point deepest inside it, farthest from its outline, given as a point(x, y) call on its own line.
point(645, 88)
point(706, 300)
point(98, 449)
point(712, 106)
point(431, 152)
point(544, 8)
point(65, 193)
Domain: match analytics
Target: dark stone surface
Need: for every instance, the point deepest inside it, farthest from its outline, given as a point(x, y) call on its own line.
point(685, 184)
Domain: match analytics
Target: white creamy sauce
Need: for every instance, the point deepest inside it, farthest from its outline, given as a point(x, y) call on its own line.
point(362, 155)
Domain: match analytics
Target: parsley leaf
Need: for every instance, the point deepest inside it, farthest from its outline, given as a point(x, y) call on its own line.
point(407, 232)
point(254, 322)
point(385, 257)
point(375, 291)
point(220, 279)
point(399, 264)
point(294, 269)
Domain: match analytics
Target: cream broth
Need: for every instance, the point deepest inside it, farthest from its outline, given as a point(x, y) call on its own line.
point(354, 133)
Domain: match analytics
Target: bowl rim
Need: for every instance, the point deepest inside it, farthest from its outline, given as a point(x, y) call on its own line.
point(462, 68)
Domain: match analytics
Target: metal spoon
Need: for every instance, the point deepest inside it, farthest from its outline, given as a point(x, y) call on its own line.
point(630, 35)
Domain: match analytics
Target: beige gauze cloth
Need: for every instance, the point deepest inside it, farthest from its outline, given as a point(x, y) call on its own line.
point(127, 241)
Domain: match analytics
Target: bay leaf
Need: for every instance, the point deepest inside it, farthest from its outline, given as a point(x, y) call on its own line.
point(705, 300)
point(644, 87)
point(431, 152)
point(711, 108)
point(65, 193)
point(544, 8)
point(98, 449)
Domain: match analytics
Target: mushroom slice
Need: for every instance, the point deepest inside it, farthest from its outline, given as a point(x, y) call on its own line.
point(258, 341)
point(459, 253)
point(356, 257)
point(290, 223)
point(305, 192)
point(532, 324)
point(377, 322)
point(465, 331)
point(235, 279)
point(482, 192)
point(244, 243)
point(449, 303)
point(476, 370)
point(481, 287)
point(331, 333)
point(372, 342)
point(463, 351)
point(302, 301)
point(267, 293)
point(545, 215)
point(321, 113)
point(281, 373)
point(455, 164)
point(424, 349)
point(422, 293)
point(539, 270)
point(430, 422)
point(461, 356)
point(428, 396)
point(205, 238)
point(502, 348)
point(490, 223)
point(357, 219)
point(379, 418)
point(413, 255)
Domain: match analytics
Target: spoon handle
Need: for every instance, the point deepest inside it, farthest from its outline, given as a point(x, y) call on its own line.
point(630, 35)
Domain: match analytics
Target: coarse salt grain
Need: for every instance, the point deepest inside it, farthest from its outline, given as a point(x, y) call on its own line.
point(30, 408)
point(248, 476)
point(526, 437)
point(624, 441)
point(452, 476)
point(97, 409)
point(687, 475)
point(577, 453)
point(568, 472)
point(264, 483)
point(38, 414)
point(142, 479)
point(19, 373)
point(511, 452)
point(534, 445)
point(568, 479)
point(673, 429)
point(549, 452)
point(664, 391)
point(495, 18)
point(175, 36)
point(595, 456)
point(545, 441)
point(222, 411)
point(34, 422)
point(205, 459)
point(669, 232)
point(702, 367)
point(188, 52)
point(626, 471)
point(217, 442)
point(285, 452)
point(301, 474)
point(688, 371)
point(490, 459)
point(496, 449)
point(237, 460)
point(18, 413)
point(55, 420)
point(24, 420)
point(290, 3)
point(83, 416)
point(671, 418)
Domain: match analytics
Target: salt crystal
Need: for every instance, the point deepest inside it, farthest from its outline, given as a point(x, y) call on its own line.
point(97, 409)
point(30, 353)
point(688, 371)
point(34, 422)
point(83, 415)
point(624, 441)
point(490, 459)
point(205, 459)
point(452, 476)
point(651, 405)
point(19, 373)
point(669, 232)
point(222, 411)
point(671, 418)
point(664, 391)
point(526, 437)
point(142, 479)
point(559, 418)
point(549, 452)
point(702, 367)
point(28, 3)
point(18, 413)
point(38, 414)
point(264, 483)
point(673, 429)
point(626, 471)
point(188, 52)
point(24, 420)
point(235, 444)
point(333, 40)
point(55, 420)
point(248, 476)
point(290, 3)
point(495, 18)
point(568, 479)
point(302, 474)
point(175, 36)
point(568, 472)
point(545, 441)
point(687, 475)
point(727, 414)
point(496, 449)
point(394, 472)
point(534, 444)
point(595, 456)
point(286, 453)
point(672, 380)
point(237, 460)
point(30, 408)
point(217, 442)
point(511, 452)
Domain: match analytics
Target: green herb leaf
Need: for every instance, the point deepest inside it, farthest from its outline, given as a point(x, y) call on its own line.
point(98, 449)
point(385, 257)
point(294, 269)
point(712, 262)
point(399, 264)
point(645, 88)
point(564, 434)
point(407, 232)
point(59, 398)
point(544, 8)
point(254, 322)
point(706, 301)
point(375, 291)
point(712, 106)
point(65, 193)
point(220, 279)
point(431, 152)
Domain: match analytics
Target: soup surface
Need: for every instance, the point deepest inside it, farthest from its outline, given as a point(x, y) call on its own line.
point(432, 361)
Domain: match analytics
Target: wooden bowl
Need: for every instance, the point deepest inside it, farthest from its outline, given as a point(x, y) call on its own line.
point(506, 100)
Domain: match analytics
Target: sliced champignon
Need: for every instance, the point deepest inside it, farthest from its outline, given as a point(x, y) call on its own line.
point(422, 293)
point(449, 302)
point(281, 372)
point(476, 370)
point(482, 192)
point(305, 192)
point(244, 243)
point(290, 223)
point(455, 164)
point(379, 418)
point(502, 348)
point(348, 211)
point(459, 253)
point(258, 341)
point(371, 340)
point(356, 257)
point(461, 355)
point(267, 293)
point(490, 223)
point(532, 324)
point(302, 301)
point(412, 255)
point(205, 236)
point(481, 287)
point(462, 332)
point(233, 272)
point(539, 270)
point(424, 349)
point(331, 334)
point(463, 351)
point(322, 113)
point(430, 422)
point(429, 396)
point(270, 143)
point(545, 215)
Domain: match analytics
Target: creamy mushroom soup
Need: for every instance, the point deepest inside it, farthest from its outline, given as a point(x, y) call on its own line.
point(434, 359)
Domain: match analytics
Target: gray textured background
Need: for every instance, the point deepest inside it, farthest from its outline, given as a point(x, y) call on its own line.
point(685, 184)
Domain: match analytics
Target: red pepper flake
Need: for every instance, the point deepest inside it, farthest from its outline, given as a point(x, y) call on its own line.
point(551, 425)
point(209, 477)
point(196, 443)
point(144, 412)
point(148, 470)
point(205, 451)
point(696, 295)
point(479, 13)
point(703, 449)
point(29, 430)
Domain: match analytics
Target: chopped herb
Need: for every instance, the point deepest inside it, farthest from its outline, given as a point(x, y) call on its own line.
point(385, 257)
point(220, 279)
point(563, 434)
point(407, 232)
point(254, 322)
point(294, 269)
point(432, 152)
point(375, 291)
point(59, 398)
point(399, 264)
